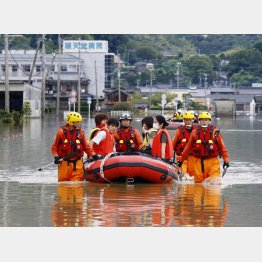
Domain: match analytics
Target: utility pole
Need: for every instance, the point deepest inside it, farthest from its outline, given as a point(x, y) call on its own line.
point(58, 77)
point(177, 74)
point(7, 98)
point(79, 83)
point(50, 67)
point(206, 89)
point(43, 77)
point(151, 83)
point(118, 76)
point(96, 88)
point(33, 65)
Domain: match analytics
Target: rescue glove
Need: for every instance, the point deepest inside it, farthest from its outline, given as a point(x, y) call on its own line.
point(179, 163)
point(57, 160)
point(226, 165)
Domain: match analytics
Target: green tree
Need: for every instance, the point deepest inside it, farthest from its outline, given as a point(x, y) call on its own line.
point(26, 109)
point(137, 97)
point(123, 106)
point(244, 78)
point(197, 65)
point(147, 52)
point(249, 59)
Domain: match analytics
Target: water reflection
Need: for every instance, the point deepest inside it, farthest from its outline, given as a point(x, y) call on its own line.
point(114, 205)
point(199, 205)
point(123, 205)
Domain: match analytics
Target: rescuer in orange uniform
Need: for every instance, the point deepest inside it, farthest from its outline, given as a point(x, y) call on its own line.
point(69, 145)
point(127, 138)
point(103, 142)
point(162, 143)
point(180, 140)
point(207, 144)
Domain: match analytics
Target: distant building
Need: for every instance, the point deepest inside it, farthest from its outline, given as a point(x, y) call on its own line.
point(87, 60)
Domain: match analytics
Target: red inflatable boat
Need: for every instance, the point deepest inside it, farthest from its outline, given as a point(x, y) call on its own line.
point(174, 124)
point(130, 167)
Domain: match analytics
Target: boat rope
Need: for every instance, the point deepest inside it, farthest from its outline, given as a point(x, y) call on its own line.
point(102, 165)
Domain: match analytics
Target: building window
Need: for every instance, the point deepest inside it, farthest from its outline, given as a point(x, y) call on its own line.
point(239, 107)
point(3, 68)
point(73, 68)
point(63, 68)
point(26, 68)
point(109, 68)
point(14, 68)
point(38, 68)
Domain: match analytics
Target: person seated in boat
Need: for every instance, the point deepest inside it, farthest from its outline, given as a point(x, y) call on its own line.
point(148, 133)
point(162, 144)
point(180, 140)
point(206, 144)
point(177, 117)
point(127, 138)
point(104, 142)
point(100, 120)
point(68, 149)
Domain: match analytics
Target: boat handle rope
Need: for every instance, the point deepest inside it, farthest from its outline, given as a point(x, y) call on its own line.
point(102, 165)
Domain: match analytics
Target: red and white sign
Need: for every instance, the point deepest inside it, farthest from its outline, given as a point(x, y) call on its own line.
point(73, 94)
point(73, 100)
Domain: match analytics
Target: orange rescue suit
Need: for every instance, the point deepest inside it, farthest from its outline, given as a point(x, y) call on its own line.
point(206, 145)
point(157, 145)
point(71, 143)
point(128, 139)
point(179, 142)
point(181, 138)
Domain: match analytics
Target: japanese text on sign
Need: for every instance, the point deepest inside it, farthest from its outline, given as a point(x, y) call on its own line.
point(86, 46)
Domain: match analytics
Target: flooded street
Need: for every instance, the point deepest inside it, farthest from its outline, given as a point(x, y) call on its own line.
point(32, 198)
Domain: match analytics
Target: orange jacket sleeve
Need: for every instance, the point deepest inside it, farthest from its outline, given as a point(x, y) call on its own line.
point(89, 151)
point(176, 138)
point(138, 139)
point(57, 138)
point(222, 148)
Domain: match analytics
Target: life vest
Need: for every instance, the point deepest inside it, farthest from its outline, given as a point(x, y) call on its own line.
point(157, 145)
point(183, 139)
point(206, 145)
point(146, 146)
point(71, 143)
point(127, 140)
point(93, 133)
point(106, 146)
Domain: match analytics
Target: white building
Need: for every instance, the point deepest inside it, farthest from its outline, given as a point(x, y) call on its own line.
point(95, 63)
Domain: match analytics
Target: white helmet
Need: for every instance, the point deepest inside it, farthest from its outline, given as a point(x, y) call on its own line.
point(125, 116)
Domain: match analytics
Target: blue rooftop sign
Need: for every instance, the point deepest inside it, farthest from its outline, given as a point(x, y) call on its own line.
point(86, 46)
